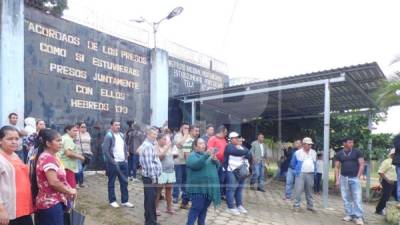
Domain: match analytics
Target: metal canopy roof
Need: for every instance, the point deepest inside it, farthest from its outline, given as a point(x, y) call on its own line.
point(295, 96)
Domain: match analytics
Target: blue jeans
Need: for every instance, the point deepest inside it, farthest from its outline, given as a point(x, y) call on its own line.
point(317, 182)
point(79, 175)
point(51, 216)
point(258, 175)
point(234, 190)
point(198, 211)
point(133, 161)
point(398, 182)
point(120, 170)
point(180, 185)
point(290, 176)
point(351, 193)
point(222, 180)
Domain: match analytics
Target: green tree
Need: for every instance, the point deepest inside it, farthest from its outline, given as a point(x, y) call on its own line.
point(388, 93)
point(53, 7)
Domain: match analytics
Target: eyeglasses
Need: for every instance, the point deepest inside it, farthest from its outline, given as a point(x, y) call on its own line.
point(83, 126)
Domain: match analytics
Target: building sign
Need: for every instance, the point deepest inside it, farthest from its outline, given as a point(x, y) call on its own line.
point(74, 73)
point(185, 78)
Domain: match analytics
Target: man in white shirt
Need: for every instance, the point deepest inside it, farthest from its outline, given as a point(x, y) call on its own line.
point(304, 163)
point(116, 156)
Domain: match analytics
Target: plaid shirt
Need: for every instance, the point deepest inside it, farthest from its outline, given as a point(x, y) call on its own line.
point(151, 164)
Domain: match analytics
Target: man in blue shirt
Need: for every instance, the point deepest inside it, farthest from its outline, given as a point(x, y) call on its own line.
point(290, 175)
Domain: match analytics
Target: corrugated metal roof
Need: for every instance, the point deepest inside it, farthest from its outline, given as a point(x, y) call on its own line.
point(354, 93)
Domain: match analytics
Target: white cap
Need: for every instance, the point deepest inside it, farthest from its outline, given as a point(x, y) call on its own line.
point(307, 140)
point(233, 135)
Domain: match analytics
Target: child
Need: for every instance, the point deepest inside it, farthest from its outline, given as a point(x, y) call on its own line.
point(318, 175)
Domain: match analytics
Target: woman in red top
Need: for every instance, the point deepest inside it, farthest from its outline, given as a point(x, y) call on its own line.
point(15, 189)
point(50, 187)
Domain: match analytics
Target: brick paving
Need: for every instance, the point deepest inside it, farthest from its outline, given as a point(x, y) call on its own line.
point(264, 208)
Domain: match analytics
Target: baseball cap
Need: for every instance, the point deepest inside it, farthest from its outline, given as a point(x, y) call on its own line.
point(392, 151)
point(233, 135)
point(307, 140)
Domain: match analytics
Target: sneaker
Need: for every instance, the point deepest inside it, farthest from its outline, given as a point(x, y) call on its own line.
point(127, 204)
point(379, 213)
point(82, 186)
point(359, 221)
point(312, 210)
point(233, 211)
point(347, 218)
point(242, 209)
point(114, 205)
point(260, 189)
point(184, 206)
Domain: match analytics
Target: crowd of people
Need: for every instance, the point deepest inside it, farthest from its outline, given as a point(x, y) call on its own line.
point(44, 170)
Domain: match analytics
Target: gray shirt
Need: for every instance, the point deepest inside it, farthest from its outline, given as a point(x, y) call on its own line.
point(168, 162)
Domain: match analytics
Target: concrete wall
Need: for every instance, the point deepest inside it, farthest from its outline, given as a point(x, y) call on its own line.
point(159, 92)
point(12, 59)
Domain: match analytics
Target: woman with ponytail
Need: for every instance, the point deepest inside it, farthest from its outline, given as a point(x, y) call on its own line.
point(15, 189)
point(52, 189)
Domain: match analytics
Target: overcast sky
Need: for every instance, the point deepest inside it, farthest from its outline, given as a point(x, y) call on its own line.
point(269, 39)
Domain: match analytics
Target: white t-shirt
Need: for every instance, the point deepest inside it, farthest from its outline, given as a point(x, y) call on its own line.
point(262, 149)
point(320, 166)
point(308, 160)
point(235, 161)
point(119, 153)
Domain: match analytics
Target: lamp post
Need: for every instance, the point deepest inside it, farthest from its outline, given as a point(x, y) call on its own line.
point(155, 25)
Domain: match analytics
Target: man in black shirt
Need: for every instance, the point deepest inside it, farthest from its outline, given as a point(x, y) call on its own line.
point(349, 166)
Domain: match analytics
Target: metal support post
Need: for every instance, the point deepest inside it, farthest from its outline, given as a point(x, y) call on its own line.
point(327, 112)
point(193, 112)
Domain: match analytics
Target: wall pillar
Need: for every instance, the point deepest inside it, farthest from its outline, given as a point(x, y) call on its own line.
point(12, 95)
point(159, 87)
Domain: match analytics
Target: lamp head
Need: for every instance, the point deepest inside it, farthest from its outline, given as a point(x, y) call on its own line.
point(175, 12)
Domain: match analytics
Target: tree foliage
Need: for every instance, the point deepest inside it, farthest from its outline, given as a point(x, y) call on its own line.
point(387, 94)
point(354, 125)
point(53, 7)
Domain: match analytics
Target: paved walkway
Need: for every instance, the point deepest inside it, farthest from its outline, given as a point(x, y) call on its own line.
point(264, 208)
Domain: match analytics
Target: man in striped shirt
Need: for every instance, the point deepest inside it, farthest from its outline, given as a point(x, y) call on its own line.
point(151, 170)
point(194, 132)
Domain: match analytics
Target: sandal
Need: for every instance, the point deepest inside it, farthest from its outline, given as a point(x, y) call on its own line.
point(172, 212)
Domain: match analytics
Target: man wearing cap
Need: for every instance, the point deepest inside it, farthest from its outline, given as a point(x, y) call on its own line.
point(349, 166)
point(387, 172)
point(304, 164)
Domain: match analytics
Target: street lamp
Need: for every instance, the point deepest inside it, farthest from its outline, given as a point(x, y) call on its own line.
point(155, 25)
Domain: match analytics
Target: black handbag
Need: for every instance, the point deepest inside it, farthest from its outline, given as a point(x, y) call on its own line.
point(73, 216)
point(242, 171)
